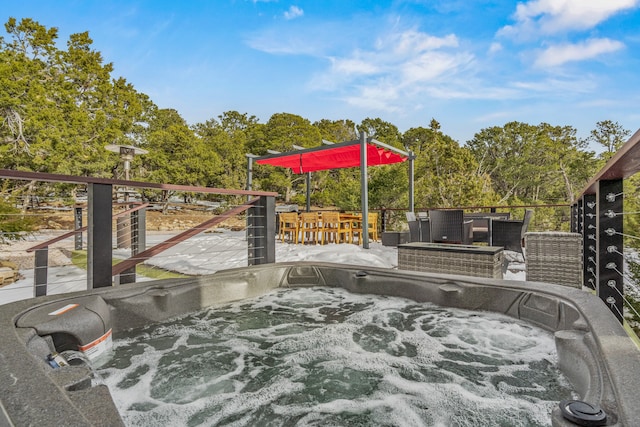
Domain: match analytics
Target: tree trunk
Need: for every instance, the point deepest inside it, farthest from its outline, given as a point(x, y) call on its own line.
point(567, 183)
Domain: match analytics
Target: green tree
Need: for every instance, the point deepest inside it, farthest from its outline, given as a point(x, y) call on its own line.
point(610, 135)
point(534, 164)
point(388, 185)
point(382, 131)
point(281, 132)
point(336, 130)
point(177, 155)
point(28, 61)
point(446, 174)
point(229, 138)
point(60, 108)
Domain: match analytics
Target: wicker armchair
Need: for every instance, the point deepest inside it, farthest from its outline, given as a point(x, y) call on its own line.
point(449, 226)
point(482, 224)
point(418, 228)
point(510, 233)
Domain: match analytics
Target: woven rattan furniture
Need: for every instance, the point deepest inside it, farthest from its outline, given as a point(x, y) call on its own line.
point(414, 227)
point(395, 238)
point(449, 226)
point(482, 224)
point(554, 257)
point(510, 233)
point(418, 228)
point(477, 261)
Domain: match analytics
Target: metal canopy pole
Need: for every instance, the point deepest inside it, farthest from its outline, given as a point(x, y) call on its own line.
point(308, 185)
point(250, 158)
point(411, 175)
point(364, 190)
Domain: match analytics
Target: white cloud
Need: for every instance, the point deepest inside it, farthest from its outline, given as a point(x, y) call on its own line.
point(354, 66)
point(293, 12)
point(410, 42)
point(432, 65)
point(399, 66)
point(553, 16)
point(495, 47)
point(589, 49)
point(380, 97)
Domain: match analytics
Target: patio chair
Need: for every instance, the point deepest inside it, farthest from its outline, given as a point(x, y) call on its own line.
point(482, 224)
point(372, 225)
point(414, 227)
point(425, 227)
point(510, 233)
point(355, 227)
point(309, 226)
point(449, 226)
point(288, 225)
point(418, 227)
point(330, 228)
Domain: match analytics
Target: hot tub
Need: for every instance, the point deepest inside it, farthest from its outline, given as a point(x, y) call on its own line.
point(594, 351)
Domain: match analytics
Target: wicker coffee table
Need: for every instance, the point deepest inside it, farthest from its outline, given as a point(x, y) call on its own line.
point(467, 260)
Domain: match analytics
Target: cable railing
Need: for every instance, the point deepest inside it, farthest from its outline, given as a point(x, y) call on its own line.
point(106, 239)
point(608, 249)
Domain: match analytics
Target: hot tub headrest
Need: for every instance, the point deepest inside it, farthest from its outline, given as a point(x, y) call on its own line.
point(82, 323)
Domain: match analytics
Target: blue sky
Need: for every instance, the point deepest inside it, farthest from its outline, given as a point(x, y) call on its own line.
point(470, 64)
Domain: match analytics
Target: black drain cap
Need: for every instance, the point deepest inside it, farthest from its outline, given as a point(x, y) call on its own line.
point(583, 413)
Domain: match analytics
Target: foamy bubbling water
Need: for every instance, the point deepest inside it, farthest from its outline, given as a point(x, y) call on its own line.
point(323, 356)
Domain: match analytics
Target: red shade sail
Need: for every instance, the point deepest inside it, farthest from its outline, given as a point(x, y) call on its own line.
point(344, 155)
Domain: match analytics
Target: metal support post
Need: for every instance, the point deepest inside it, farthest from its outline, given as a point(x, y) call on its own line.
point(99, 240)
point(261, 235)
point(610, 245)
point(411, 181)
point(40, 272)
point(308, 190)
point(587, 226)
point(77, 219)
point(139, 230)
point(138, 244)
point(250, 158)
point(364, 192)
point(383, 219)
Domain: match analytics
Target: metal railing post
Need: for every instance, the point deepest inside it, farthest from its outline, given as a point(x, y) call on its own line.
point(610, 245)
point(261, 231)
point(587, 226)
point(383, 220)
point(139, 231)
point(77, 219)
point(138, 244)
point(40, 272)
point(99, 236)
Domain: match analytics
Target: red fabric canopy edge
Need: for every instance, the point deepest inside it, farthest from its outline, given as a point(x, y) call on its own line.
point(347, 156)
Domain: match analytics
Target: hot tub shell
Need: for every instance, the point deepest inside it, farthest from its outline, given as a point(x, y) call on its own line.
point(594, 351)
